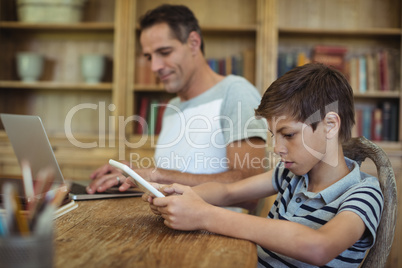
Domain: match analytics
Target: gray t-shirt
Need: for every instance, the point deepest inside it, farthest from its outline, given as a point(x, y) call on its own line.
point(195, 133)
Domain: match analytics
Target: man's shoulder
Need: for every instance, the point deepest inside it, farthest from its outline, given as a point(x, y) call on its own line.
point(236, 88)
point(237, 82)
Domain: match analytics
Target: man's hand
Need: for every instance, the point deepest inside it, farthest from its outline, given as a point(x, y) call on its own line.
point(108, 176)
point(105, 177)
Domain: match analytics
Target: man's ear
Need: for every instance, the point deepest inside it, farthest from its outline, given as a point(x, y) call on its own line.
point(194, 41)
point(332, 124)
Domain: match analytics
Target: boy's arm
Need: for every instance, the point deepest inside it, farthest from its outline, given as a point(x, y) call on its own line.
point(189, 212)
point(294, 240)
point(226, 194)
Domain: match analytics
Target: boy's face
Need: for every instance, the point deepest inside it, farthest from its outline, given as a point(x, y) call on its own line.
point(170, 59)
point(299, 148)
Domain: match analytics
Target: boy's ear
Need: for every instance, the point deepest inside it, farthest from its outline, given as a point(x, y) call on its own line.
point(194, 41)
point(332, 124)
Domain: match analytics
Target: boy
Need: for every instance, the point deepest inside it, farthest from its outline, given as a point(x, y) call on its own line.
point(326, 212)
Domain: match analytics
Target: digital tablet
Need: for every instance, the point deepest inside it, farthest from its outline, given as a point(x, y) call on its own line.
point(138, 180)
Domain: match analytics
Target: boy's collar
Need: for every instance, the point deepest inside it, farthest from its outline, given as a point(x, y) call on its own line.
point(341, 186)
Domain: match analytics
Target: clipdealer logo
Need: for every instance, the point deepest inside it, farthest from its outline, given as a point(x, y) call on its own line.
point(108, 134)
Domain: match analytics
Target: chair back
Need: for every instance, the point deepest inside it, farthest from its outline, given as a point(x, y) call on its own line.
point(359, 149)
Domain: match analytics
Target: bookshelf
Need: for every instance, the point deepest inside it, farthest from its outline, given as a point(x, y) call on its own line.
point(109, 27)
point(61, 87)
point(362, 27)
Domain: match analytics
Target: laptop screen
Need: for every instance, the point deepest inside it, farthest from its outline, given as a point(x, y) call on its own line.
point(30, 142)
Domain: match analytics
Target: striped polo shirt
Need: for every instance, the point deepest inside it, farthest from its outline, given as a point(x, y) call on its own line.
point(357, 192)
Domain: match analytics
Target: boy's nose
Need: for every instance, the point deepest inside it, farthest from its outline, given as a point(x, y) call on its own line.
point(279, 148)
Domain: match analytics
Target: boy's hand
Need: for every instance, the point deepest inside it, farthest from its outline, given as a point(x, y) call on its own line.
point(149, 197)
point(182, 209)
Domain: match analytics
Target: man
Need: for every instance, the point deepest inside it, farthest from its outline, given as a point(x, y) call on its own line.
point(209, 131)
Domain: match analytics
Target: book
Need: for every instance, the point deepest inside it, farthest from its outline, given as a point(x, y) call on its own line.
point(362, 74)
point(213, 64)
point(358, 120)
point(228, 67)
point(143, 113)
point(367, 122)
point(390, 121)
point(364, 119)
point(222, 66)
point(384, 78)
point(66, 205)
point(371, 72)
point(333, 56)
point(161, 110)
point(394, 122)
point(353, 75)
point(152, 115)
point(302, 58)
point(386, 121)
point(376, 127)
point(286, 62)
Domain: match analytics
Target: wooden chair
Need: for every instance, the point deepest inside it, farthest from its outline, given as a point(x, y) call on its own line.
point(359, 149)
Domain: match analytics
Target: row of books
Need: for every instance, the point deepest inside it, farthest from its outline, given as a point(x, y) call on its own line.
point(150, 112)
point(369, 71)
point(330, 55)
point(374, 71)
point(242, 64)
point(287, 60)
point(377, 123)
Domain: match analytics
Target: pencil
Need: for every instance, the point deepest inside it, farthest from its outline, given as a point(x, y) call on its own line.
point(28, 182)
point(43, 184)
point(22, 223)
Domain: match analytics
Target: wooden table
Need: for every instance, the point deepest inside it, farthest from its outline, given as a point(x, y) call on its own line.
point(125, 233)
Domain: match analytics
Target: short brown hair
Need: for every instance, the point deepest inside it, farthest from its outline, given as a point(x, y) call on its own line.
point(307, 90)
point(181, 21)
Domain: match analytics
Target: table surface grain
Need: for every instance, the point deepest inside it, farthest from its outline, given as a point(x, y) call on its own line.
point(125, 233)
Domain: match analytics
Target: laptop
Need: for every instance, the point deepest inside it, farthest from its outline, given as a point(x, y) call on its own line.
point(30, 142)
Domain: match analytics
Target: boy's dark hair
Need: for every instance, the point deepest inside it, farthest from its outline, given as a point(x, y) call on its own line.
point(181, 21)
point(305, 90)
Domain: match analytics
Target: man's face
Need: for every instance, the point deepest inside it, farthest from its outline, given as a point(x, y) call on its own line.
point(294, 141)
point(170, 60)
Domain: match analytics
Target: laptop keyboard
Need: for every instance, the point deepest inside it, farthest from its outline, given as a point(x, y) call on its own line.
point(78, 189)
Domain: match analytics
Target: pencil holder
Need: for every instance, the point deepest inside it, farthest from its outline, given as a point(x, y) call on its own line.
point(28, 252)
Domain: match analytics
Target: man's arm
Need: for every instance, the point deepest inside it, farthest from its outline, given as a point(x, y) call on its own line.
point(245, 159)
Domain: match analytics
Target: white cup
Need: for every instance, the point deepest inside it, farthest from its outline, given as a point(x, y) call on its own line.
point(93, 67)
point(29, 66)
